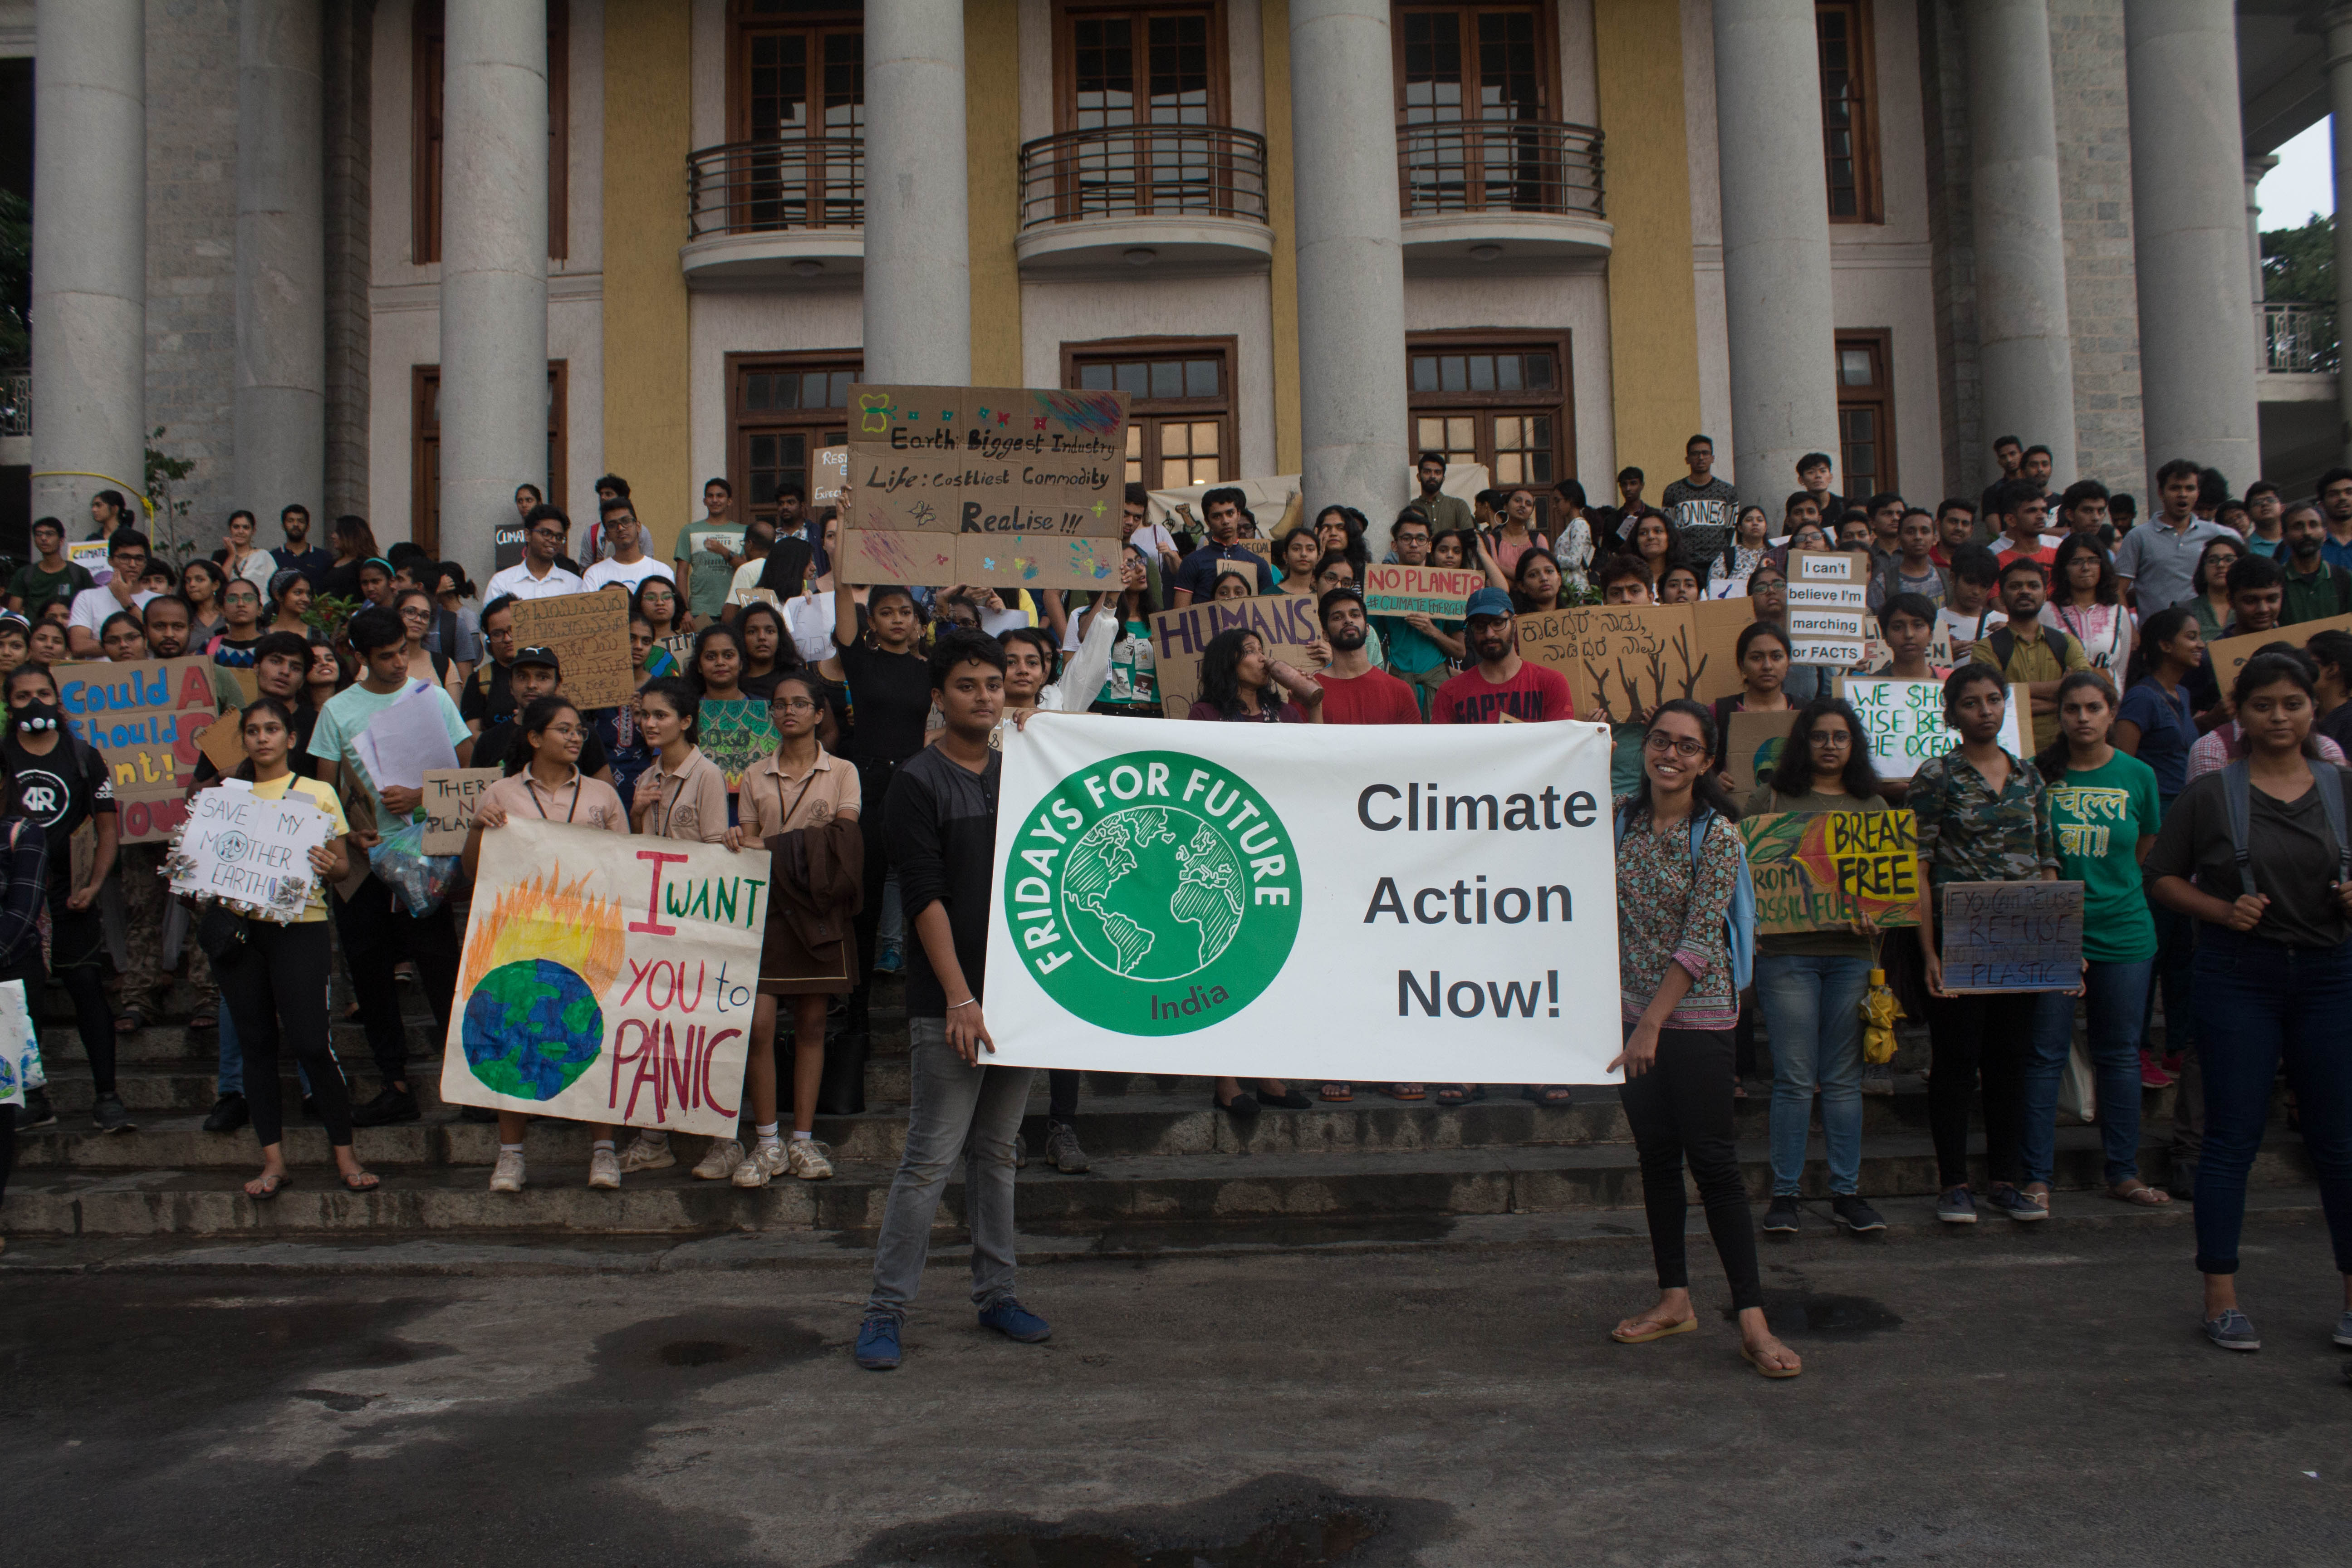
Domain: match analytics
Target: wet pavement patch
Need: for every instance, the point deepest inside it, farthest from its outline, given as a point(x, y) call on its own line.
point(1280, 1521)
point(1796, 1314)
point(700, 1352)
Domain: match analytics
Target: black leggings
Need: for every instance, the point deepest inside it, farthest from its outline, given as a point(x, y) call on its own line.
point(77, 942)
point(1989, 1033)
point(1681, 1109)
point(278, 990)
point(873, 783)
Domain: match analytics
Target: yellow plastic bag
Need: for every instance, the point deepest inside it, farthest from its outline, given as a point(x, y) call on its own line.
point(1879, 1011)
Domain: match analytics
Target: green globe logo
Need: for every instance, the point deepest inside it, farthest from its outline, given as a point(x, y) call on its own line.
point(1154, 893)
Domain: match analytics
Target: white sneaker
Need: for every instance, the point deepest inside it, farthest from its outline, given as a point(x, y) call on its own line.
point(720, 1162)
point(647, 1151)
point(604, 1169)
point(807, 1160)
point(508, 1176)
point(766, 1161)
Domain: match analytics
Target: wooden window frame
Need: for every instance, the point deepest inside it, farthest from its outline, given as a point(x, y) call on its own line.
point(424, 527)
point(1226, 348)
point(1869, 188)
point(428, 60)
point(741, 23)
point(1065, 72)
point(1420, 403)
point(1547, 47)
point(738, 366)
point(1882, 397)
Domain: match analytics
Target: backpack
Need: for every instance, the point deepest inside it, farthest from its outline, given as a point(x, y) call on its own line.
point(2003, 643)
point(2236, 793)
point(1739, 918)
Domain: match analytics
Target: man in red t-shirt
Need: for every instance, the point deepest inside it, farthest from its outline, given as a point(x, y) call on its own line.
point(1354, 693)
point(1502, 682)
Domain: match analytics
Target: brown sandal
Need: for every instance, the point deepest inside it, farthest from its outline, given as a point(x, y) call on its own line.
point(2141, 1196)
point(1406, 1092)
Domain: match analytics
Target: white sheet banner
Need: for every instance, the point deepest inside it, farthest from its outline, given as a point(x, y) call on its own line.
point(1305, 902)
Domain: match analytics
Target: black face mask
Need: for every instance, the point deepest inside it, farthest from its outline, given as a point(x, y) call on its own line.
point(40, 716)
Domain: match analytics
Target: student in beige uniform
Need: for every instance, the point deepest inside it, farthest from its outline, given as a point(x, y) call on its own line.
point(544, 781)
point(801, 805)
point(682, 796)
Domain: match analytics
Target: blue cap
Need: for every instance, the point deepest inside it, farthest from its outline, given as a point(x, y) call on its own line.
point(1491, 602)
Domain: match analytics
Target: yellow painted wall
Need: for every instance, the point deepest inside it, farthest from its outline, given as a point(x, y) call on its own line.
point(991, 74)
point(1653, 315)
point(1281, 212)
point(648, 92)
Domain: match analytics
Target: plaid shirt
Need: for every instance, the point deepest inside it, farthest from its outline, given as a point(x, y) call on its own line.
point(1969, 833)
point(1670, 911)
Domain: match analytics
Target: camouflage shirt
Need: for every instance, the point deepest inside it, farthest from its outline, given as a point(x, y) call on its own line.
point(1968, 834)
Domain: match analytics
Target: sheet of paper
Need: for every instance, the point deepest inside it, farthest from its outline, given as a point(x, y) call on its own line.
point(404, 739)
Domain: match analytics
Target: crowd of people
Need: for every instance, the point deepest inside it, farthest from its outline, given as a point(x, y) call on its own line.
point(2201, 809)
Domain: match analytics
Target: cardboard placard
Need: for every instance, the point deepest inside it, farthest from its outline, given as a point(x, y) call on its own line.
point(250, 853)
point(449, 797)
point(988, 459)
point(1833, 870)
point(1751, 747)
point(1904, 722)
point(224, 741)
point(870, 557)
point(1719, 623)
point(1439, 592)
point(146, 717)
point(1284, 622)
point(89, 554)
point(2011, 936)
point(1620, 660)
point(1039, 561)
point(830, 472)
point(590, 635)
point(2230, 654)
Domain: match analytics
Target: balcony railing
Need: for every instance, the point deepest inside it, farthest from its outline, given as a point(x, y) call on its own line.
point(766, 187)
point(2298, 337)
point(1499, 166)
point(15, 401)
point(1144, 171)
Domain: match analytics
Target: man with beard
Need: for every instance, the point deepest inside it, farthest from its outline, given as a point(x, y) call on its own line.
point(2315, 589)
point(1501, 682)
point(1355, 692)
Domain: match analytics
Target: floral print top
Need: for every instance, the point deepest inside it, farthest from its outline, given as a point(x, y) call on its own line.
point(1670, 910)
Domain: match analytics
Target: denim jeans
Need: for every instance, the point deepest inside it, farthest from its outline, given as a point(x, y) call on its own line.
point(1813, 1007)
point(951, 1109)
point(2260, 1002)
point(2114, 995)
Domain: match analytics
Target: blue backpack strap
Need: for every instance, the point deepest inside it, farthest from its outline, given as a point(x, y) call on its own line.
point(2237, 797)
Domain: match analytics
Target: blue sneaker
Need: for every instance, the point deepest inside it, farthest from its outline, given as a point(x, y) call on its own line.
point(1014, 1322)
point(2018, 1203)
point(877, 1342)
point(1957, 1207)
point(2233, 1331)
point(889, 962)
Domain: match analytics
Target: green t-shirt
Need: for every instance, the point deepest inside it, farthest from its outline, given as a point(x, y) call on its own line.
point(706, 591)
point(37, 588)
point(1814, 943)
point(2097, 817)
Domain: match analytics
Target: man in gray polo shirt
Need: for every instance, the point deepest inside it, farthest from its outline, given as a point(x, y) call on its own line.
point(2156, 560)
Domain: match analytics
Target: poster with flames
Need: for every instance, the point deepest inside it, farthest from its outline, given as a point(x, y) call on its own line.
point(608, 978)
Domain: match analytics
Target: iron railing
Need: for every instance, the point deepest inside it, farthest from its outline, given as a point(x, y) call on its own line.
point(765, 187)
point(2298, 337)
point(1143, 171)
point(15, 401)
point(1499, 165)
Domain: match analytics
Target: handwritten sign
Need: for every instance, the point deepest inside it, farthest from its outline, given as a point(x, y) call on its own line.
point(1620, 660)
point(607, 979)
point(1441, 592)
point(1904, 722)
point(1285, 623)
point(251, 854)
point(1828, 870)
point(147, 719)
point(1751, 747)
point(1829, 608)
point(89, 554)
point(2230, 654)
point(590, 635)
point(875, 556)
point(831, 472)
point(1039, 561)
point(735, 734)
point(988, 459)
point(450, 795)
point(2012, 936)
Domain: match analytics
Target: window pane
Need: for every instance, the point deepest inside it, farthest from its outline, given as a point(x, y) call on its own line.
point(1482, 373)
point(1853, 366)
point(1134, 439)
point(764, 452)
point(1200, 378)
point(1205, 437)
point(1167, 379)
point(757, 391)
point(1453, 373)
point(1539, 371)
point(1507, 372)
point(1135, 380)
point(1094, 378)
point(1424, 373)
point(1462, 435)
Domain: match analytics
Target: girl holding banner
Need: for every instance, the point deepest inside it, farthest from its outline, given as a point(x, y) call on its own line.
point(275, 987)
point(543, 780)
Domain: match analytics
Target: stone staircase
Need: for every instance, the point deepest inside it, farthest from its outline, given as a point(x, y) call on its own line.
point(1164, 1156)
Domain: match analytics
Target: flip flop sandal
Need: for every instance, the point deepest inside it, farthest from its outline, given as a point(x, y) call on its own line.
point(1453, 1094)
point(363, 1181)
point(1752, 1359)
point(270, 1190)
point(1405, 1092)
point(2142, 1197)
point(130, 1021)
point(1337, 1093)
point(1655, 1331)
point(1550, 1094)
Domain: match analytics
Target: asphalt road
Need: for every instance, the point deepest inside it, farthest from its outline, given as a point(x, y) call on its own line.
point(2010, 1398)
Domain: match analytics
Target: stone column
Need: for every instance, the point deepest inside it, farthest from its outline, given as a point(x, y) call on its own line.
point(493, 269)
point(1353, 424)
point(279, 410)
point(2339, 103)
point(1776, 243)
point(90, 257)
point(2188, 222)
point(2026, 355)
point(2257, 169)
point(918, 225)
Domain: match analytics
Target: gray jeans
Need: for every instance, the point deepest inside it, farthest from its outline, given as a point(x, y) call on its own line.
point(952, 1108)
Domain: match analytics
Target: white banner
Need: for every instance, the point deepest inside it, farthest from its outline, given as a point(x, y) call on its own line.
point(251, 854)
point(1306, 903)
point(608, 978)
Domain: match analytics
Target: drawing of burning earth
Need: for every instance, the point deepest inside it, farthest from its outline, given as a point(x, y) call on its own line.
point(533, 976)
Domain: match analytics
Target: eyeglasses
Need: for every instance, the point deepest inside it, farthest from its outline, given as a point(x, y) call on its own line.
point(793, 705)
point(1660, 741)
point(1833, 740)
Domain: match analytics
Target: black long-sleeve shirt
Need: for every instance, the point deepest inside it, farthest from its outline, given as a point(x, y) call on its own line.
point(939, 822)
point(20, 905)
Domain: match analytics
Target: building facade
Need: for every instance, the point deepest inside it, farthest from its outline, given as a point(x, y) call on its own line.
point(395, 257)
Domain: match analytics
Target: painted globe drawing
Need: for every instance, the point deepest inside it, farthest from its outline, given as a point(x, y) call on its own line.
point(1153, 893)
point(531, 1028)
